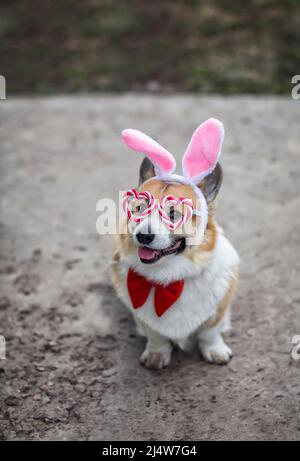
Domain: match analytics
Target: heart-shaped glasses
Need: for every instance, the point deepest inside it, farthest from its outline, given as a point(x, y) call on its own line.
point(173, 211)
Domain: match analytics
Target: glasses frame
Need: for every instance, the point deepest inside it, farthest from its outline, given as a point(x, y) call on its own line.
point(160, 206)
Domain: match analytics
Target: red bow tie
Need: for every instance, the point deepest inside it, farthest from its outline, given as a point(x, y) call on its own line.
point(139, 289)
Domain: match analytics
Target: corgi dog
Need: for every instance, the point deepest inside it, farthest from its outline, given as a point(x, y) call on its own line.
point(172, 265)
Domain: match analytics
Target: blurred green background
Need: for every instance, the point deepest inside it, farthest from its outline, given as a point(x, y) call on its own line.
point(51, 46)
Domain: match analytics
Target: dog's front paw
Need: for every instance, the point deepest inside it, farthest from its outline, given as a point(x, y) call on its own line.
point(155, 360)
point(219, 353)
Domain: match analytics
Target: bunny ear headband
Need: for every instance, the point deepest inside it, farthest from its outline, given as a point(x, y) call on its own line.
point(199, 159)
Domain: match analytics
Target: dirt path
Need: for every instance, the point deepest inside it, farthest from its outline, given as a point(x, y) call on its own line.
point(72, 353)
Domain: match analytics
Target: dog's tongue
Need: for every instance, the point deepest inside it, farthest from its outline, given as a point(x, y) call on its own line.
point(146, 253)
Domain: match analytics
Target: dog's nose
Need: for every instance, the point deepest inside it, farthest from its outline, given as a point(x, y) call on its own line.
point(145, 239)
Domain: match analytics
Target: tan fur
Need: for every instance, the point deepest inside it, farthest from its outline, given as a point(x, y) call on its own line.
point(223, 305)
point(199, 254)
point(125, 239)
point(159, 188)
point(116, 277)
point(195, 252)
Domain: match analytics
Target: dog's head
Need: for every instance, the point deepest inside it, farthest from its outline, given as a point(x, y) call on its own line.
point(152, 236)
point(164, 213)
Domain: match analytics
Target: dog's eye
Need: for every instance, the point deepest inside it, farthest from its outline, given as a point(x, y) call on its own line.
point(174, 215)
point(137, 207)
point(141, 208)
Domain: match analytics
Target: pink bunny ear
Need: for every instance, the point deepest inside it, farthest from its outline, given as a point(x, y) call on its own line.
point(203, 151)
point(162, 160)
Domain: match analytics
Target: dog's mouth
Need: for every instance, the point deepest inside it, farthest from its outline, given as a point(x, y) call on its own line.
point(150, 255)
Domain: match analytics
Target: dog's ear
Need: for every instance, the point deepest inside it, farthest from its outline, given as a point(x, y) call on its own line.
point(211, 184)
point(146, 170)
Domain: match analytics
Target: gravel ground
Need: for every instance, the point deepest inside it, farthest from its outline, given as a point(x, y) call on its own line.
point(72, 370)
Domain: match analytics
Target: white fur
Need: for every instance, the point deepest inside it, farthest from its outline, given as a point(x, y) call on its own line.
point(205, 286)
point(154, 225)
point(158, 351)
point(212, 345)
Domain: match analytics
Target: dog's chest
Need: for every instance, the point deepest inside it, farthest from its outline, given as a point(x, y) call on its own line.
point(197, 302)
point(199, 299)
